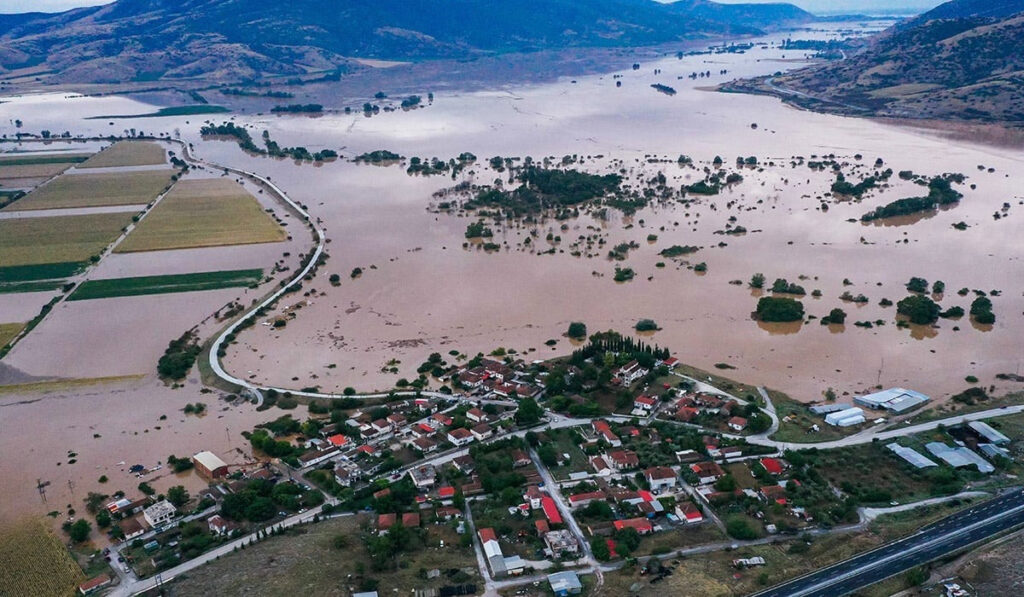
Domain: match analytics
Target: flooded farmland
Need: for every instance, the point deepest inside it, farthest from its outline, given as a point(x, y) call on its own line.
point(422, 291)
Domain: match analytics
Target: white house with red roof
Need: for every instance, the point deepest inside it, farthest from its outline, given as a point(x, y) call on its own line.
point(476, 415)
point(737, 423)
point(772, 465)
point(604, 431)
point(661, 478)
point(630, 372)
point(460, 437)
point(689, 513)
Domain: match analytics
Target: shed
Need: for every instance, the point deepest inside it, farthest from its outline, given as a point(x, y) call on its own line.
point(210, 465)
point(565, 583)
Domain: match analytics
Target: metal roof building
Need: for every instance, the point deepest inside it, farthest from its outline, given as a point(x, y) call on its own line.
point(958, 457)
point(565, 583)
point(845, 418)
point(986, 431)
point(915, 458)
point(824, 409)
point(897, 400)
point(993, 451)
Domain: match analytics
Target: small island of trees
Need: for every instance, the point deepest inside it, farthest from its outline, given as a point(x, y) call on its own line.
point(779, 309)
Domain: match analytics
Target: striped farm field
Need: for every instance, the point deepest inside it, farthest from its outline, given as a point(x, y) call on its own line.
point(7, 333)
point(35, 562)
point(98, 289)
point(28, 159)
point(128, 153)
point(96, 190)
point(57, 240)
point(203, 213)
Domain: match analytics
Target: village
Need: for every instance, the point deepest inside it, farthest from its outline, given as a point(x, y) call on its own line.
point(536, 492)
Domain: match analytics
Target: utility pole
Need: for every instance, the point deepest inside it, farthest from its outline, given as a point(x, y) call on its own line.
point(41, 487)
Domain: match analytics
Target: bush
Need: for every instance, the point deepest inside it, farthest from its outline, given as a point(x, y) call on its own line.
point(738, 527)
point(776, 309)
point(577, 330)
point(919, 309)
point(646, 325)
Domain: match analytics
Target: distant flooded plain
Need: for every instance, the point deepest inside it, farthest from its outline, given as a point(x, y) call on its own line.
point(422, 292)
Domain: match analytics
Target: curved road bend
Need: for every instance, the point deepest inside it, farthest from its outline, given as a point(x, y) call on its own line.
point(948, 535)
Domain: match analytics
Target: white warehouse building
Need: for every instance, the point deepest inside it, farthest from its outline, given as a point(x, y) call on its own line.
point(846, 417)
point(897, 400)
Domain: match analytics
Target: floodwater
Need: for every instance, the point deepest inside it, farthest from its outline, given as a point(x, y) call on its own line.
point(422, 292)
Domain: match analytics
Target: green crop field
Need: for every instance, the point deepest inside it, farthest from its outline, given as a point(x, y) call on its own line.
point(172, 111)
point(128, 153)
point(8, 331)
point(97, 289)
point(55, 240)
point(27, 159)
point(42, 271)
point(96, 190)
point(39, 286)
point(203, 213)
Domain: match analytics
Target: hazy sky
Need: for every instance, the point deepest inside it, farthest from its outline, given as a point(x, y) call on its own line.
point(822, 6)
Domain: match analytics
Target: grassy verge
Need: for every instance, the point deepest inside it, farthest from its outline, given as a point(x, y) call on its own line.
point(38, 286)
point(8, 331)
point(97, 289)
point(42, 271)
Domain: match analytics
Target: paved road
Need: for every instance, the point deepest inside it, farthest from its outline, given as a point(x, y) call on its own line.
point(935, 540)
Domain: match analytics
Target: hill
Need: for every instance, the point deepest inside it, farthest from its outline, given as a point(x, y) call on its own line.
point(230, 39)
point(961, 61)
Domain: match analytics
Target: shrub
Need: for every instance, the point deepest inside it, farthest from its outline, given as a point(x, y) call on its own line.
point(776, 309)
point(577, 330)
point(919, 309)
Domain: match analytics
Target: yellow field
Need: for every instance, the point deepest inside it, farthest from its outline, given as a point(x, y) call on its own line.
point(35, 562)
point(96, 190)
point(203, 213)
point(8, 331)
point(33, 241)
point(128, 153)
point(13, 173)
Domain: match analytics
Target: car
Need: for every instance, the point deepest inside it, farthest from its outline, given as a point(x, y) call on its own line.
point(282, 513)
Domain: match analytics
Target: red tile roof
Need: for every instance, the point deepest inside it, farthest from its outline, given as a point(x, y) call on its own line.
point(386, 521)
point(487, 535)
point(446, 492)
point(551, 510)
point(410, 519)
point(642, 525)
point(772, 465)
point(338, 440)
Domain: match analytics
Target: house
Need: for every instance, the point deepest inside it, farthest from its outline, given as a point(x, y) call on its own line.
point(159, 513)
point(582, 499)
point(559, 542)
point(368, 450)
point(132, 528)
point(641, 525)
point(626, 496)
point(687, 414)
point(423, 430)
point(343, 476)
point(661, 478)
point(476, 415)
point(737, 423)
point(396, 420)
point(520, 459)
point(315, 457)
point(533, 496)
point(381, 426)
point(423, 477)
point(482, 431)
point(383, 493)
point(630, 372)
point(448, 513)
point(442, 419)
point(209, 465)
point(219, 525)
point(707, 472)
point(492, 550)
point(542, 527)
point(385, 522)
point(424, 444)
point(337, 440)
point(460, 437)
point(772, 465)
point(94, 584)
point(604, 431)
point(600, 466)
point(688, 456)
point(622, 460)
point(730, 452)
point(464, 464)
point(689, 513)
point(550, 510)
point(446, 493)
point(474, 487)
point(671, 362)
point(410, 520)
point(773, 493)
point(644, 404)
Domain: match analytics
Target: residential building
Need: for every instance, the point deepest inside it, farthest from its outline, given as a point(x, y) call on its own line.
point(687, 414)
point(737, 423)
point(423, 477)
point(631, 372)
point(604, 431)
point(464, 464)
point(422, 430)
point(315, 457)
point(661, 478)
point(641, 525)
point(396, 420)
point(644, 403)
point(582, 499)
point(385, 522)
point(476, 415)
point(460, 437)
point(772, 465)
point(442, 419)
point(338, 440)
point(542, 527)
point(482, 431)
point(707, 472)
point(209, 465)
point(132, 528)
point(219, 525)
point(424, 444)
point(622, 460)
point(550, 510)
point(689, 513)
point(159, 513)
point(410, 520)
point(94, 584)
point(533, 496)
point(773, 493)
point(520, 459)
point(600, 466)
point(562, 541)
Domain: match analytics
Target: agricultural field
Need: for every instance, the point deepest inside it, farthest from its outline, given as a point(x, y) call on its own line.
point(328, 558)
point(8, 331)
point(96, 190)
point(54, 243)
point(35, 562)
point(29, 159)
point(128, 153)
point(24, 176)
point(203, 213)
point(98, 289)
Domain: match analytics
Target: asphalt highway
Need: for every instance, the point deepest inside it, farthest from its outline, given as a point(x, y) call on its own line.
point(930, 542)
